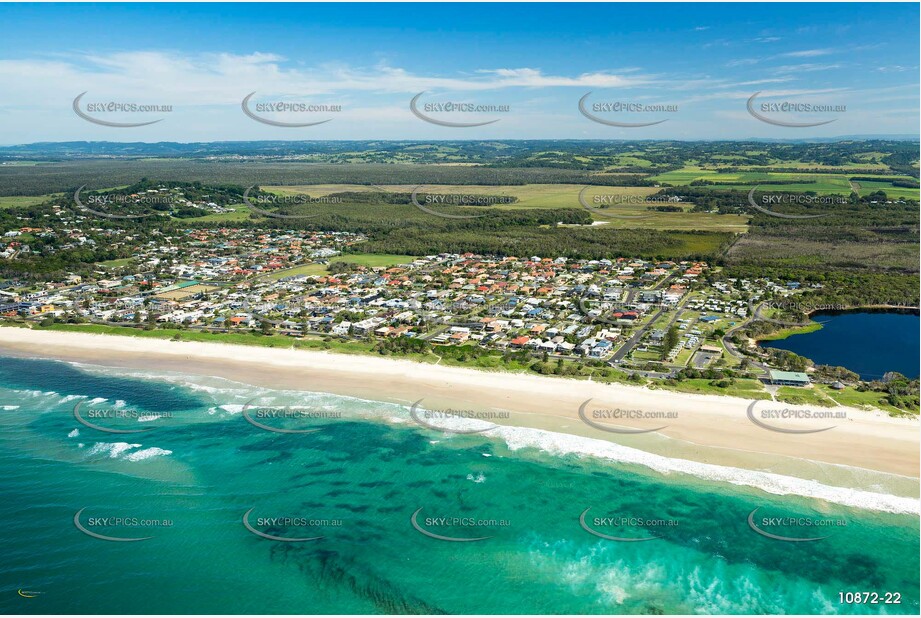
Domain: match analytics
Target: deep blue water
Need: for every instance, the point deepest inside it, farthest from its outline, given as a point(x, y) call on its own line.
point(868, 343)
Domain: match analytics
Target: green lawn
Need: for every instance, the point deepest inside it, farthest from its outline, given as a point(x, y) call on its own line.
point(373, 259)
point(116, 263)
point(783, 333)
point(749, 389)
point(803, 396)
point(237, 338)
point(19, 201)
point(241, 213)
point(866, 400)
point(304, 269)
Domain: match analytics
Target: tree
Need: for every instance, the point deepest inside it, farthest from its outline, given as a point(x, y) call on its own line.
point(672, 337)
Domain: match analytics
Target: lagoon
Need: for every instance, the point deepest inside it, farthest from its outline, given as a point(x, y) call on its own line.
point(869, 343)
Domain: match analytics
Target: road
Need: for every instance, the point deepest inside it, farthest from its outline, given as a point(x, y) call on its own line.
point(732, 350)
point(625, 349)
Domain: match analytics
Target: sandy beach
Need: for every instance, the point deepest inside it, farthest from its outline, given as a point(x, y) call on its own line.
point(702, 428)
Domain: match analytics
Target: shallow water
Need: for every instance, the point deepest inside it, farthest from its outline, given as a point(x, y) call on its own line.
point(361, 478)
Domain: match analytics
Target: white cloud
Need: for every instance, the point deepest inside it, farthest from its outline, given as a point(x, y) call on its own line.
point(807, 53)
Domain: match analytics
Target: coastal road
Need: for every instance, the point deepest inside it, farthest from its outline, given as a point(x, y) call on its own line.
point(622, 352)
point(635, 338)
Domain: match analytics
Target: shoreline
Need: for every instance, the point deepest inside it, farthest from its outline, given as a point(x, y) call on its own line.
point(812, 326)
point(708, 429)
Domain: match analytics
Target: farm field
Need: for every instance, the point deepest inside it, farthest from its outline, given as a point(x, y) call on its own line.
point(561, 196)
point(529, 196)
point(866, 187)
point(19, 201)
point(830, 183)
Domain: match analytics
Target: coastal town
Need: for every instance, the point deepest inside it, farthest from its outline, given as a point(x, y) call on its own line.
point(533, 310)
point(649, 317)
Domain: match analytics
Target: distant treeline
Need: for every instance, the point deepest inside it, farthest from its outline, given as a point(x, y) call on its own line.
point(101, 174)
point(633, 156)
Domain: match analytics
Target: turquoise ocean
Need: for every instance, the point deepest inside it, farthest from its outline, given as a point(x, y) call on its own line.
point(397, 508)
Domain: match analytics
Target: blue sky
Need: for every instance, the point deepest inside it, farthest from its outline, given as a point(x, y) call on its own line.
point(702, 61)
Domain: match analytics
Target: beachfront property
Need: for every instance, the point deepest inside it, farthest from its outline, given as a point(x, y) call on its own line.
point(616, 311)
point(787, 378)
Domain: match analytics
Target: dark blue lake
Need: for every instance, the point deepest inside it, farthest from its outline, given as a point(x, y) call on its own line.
point(866, 342)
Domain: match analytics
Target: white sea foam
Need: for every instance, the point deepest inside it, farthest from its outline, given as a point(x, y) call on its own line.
point(112, 449)
point(74, 433)
point(119, 450)
point(147, 453)
point(8, 408)
point(562, 444)
point(479, 478)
